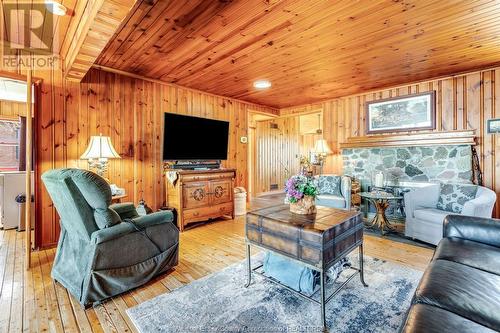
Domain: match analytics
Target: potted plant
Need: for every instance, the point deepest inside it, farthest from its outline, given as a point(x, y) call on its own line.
point(301, 191)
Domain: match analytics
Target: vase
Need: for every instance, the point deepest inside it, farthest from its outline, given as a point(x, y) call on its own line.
point(304, 206)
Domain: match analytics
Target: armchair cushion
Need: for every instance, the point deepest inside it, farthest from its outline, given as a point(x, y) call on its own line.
point(431, 214)
point(165, 216)
point(131, 225)
point(97, 193)
point(482, 205)
point(329, 184)
point(332, 201)
point(106, 217)
point(126, 210)
point(111, 233)
point(134, 246)
point(452, 197)
point(127, 249)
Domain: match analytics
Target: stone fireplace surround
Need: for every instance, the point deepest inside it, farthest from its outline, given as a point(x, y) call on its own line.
point(452, 163)
point(409, 161)
point(410, 158)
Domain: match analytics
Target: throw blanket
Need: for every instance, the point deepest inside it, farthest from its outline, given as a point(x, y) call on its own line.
point(299, 277)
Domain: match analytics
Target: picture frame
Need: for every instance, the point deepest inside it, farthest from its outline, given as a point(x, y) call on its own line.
point(401, 114)
point(493, 126)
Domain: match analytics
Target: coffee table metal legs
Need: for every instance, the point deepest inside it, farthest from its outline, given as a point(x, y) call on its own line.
point(361, 266)
point(322, 298)
point(249, 267)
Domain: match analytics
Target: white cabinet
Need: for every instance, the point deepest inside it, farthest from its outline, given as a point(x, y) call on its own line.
point(11, 185)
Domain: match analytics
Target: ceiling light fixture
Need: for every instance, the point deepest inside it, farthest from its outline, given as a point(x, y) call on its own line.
point(55, 7)
point(262, 84)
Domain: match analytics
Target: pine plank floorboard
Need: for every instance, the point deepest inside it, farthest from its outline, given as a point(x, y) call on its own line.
point(32, 302)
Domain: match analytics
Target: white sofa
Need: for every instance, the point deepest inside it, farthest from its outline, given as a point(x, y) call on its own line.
point(425, 222)
point(335, 201)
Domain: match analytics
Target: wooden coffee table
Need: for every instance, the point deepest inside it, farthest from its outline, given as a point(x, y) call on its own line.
point(317, 241)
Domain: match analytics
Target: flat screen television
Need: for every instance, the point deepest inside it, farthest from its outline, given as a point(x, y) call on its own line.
point(187, 138)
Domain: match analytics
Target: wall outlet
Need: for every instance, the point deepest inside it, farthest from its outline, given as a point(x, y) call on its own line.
point(243, 139)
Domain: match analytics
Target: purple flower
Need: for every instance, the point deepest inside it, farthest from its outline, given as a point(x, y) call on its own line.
point(298, 186)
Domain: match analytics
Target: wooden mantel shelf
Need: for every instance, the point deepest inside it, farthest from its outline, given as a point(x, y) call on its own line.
point(411, 139)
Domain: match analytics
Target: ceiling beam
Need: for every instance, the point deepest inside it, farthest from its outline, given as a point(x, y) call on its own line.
point(98, 22)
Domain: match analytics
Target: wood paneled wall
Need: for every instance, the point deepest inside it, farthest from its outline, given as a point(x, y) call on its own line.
point(127, 109)
point(131, 111)
point(12, 108)
point(462, 102)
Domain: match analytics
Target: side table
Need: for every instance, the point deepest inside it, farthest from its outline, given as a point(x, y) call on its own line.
point(381, 201)
point(118, 198)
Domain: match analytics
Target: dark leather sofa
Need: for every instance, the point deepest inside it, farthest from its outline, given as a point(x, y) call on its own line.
point(460, 289)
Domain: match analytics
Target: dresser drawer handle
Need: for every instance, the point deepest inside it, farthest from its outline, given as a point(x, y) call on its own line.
point(196, 214)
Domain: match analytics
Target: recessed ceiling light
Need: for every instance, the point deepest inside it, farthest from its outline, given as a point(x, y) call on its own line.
point(55, 7)
point(262, 84)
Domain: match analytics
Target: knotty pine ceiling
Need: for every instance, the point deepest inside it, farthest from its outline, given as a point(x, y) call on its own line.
point(310, 50)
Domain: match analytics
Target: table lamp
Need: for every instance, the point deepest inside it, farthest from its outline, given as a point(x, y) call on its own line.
point(99, 150)
point(321, 150)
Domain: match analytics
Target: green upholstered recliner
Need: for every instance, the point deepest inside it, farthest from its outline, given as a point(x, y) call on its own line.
point(105, 249)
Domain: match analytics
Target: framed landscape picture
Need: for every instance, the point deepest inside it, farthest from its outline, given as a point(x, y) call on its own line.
point(403, 113)
point(493, 126)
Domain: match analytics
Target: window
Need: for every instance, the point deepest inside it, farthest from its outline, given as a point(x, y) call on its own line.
point(9, 144)
point(13, 90)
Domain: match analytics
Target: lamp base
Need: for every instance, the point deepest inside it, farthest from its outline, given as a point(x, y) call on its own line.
point(100, 167)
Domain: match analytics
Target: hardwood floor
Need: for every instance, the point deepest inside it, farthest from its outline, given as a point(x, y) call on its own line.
point(32, 302)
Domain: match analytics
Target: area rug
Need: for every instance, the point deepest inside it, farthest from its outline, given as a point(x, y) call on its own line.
point(220, 303)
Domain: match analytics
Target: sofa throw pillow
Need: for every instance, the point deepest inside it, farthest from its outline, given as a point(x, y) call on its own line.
point(452, 197)
point(329, 185)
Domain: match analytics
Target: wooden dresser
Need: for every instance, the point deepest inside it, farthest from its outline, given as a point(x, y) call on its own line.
point(199, 195)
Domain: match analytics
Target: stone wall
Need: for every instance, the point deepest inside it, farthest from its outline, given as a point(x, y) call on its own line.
point(416, 164)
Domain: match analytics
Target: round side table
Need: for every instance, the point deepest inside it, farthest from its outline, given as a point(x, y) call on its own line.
point(381, 201)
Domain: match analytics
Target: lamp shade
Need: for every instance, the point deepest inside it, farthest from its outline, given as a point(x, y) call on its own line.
point(100, 147)
point(321, 147)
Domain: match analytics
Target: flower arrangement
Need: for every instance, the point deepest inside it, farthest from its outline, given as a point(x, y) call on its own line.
point(299, 186)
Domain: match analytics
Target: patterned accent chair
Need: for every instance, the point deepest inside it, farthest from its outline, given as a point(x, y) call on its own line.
point(334, 191)
point(105, 249)
point(427, 207)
